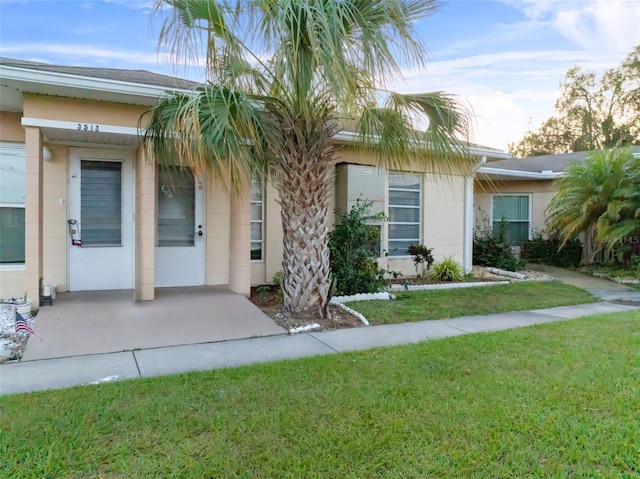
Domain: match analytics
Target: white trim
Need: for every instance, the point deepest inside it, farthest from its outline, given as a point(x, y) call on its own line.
point(487, 170)
point(467, 256)
point(420, 207)
point(73, 125)
point(83, 82)
point(12, 267)
point(530, 195)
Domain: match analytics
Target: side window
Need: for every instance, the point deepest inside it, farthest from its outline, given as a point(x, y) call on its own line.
point(404, 212)
point(257, 220)
point(12, 200)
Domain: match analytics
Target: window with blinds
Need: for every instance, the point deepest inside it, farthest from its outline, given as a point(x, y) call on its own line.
point(101, 203)
point(176, 207)
point(514, 211)
point(257, 220)
point(12, 194)
point(404, 212)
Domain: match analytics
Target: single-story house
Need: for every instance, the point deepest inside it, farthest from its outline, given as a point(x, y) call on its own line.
point(81, 204)
point(519, 190)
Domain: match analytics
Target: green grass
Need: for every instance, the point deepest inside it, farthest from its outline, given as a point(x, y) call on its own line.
point(452, 303)
point(554, 400)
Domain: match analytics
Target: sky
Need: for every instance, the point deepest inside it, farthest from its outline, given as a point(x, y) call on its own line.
point(505, 58)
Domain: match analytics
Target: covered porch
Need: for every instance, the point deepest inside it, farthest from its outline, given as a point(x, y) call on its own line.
point(93, 322)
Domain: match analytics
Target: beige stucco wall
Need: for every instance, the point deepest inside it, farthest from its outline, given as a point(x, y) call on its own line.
point(217, 233)
point(85, 111)
point(54, 223)
point(10, 127)
point(541, 193)
point(145, 226)
point(442, 220)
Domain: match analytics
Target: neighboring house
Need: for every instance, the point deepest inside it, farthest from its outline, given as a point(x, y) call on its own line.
point(519, 190)
point(82, 206)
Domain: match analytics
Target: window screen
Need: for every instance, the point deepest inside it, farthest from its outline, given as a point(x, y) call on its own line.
point(404, 212)
point(176, 207)
point(514, 211)
point(12, 193)
point(101, 203)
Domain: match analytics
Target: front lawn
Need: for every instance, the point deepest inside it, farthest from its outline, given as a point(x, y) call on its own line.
point(554, 400)
point(452, 303)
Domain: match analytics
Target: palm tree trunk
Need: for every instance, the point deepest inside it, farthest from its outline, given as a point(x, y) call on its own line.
point(304, 173)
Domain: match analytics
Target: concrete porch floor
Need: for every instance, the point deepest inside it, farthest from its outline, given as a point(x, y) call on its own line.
point(96, 322)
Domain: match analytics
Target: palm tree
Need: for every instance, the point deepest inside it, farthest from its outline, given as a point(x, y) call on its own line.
point(598, 198)
point(283, 78)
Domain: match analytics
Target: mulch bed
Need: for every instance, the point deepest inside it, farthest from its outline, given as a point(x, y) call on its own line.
point(271, 305)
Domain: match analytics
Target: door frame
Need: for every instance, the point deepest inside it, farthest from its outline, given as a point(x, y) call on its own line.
point(101, 153)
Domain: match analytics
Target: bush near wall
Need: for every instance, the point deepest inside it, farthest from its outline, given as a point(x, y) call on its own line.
point(491, 248)
point(546, 250)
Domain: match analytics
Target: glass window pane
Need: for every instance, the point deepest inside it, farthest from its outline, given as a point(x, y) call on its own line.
point(404, 198)
point(256, 211)
point(408, 232)
point(256, 250)
point(12, 235)
point(256, 191)
point(176, 207)
point(256, 231)
point(511, 208)
point(404, 215)
point(12, 174)
point(404, 181)
point(400, 247)
point(101, 203)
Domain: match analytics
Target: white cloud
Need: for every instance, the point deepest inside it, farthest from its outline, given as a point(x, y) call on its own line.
point(595, 25)
point(81, 52)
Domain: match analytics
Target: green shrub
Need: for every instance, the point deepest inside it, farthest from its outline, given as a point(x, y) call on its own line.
point(447, 270)
point(354, 246)
point(491, 247)
point(421, 255)
point(546, 250)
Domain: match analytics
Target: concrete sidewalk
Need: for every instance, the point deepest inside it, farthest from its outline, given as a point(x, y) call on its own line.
point(38, 375)
point(599, 287)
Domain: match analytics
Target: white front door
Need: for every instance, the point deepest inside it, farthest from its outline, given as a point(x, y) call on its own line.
point(100, 219)
point(180, 233)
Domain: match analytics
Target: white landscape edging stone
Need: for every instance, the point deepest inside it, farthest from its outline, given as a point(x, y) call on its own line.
point(385, 295)
point(426, 287)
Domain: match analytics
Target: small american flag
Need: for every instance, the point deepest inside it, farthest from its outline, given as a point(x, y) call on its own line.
point(23, 325)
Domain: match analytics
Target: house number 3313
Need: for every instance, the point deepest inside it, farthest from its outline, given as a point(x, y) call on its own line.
point(88, 127)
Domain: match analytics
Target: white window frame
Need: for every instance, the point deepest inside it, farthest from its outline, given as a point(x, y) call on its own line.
point(530, 196)
point(13, 266)
point(260, 221)
point(419, 208)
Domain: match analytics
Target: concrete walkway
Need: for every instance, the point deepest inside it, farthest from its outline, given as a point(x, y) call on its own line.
point(38, 375)
point(599, 287)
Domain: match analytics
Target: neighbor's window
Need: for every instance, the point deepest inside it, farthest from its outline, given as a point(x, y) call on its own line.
point(404, 212)
point(257, 220)
point(514, 210)
point(12, 193)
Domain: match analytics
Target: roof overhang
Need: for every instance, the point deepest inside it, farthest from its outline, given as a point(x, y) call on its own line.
point(351, 137)
point(488, 173)
point(15, 81)
point(82, 134)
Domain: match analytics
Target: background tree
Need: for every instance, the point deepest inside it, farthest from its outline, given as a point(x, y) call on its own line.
point(591, 113)
point(283, 77)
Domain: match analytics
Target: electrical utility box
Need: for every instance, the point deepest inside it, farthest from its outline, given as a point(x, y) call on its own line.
point(366, 183)
point(355, 182)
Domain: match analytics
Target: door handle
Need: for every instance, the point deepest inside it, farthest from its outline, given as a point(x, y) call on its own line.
point(199, 232)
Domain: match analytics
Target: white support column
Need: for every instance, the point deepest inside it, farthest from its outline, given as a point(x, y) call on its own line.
point(468, 216)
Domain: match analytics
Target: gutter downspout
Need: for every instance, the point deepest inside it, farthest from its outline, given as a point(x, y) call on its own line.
point(468, 215)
